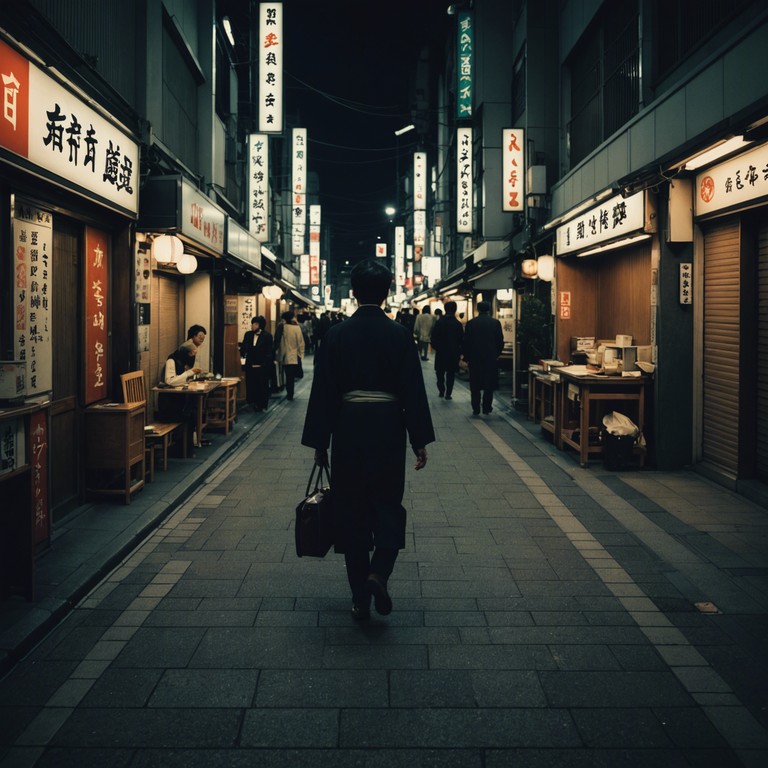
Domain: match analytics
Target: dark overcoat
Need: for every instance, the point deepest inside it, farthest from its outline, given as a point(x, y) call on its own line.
point(369, 352)
point(483, 343)
point(447, 337)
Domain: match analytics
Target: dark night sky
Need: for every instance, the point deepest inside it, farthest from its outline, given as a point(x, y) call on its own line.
point(348, 71)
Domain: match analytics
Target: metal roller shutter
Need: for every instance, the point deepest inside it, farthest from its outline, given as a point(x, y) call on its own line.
point(720, 427)
point(762, 356)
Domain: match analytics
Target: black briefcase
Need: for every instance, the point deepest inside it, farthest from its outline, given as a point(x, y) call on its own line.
point(314, 517)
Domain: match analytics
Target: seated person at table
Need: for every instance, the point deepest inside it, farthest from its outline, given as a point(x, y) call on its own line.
point(179, 367)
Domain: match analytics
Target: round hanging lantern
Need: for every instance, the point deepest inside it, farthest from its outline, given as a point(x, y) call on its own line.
point(546, 268)
point(167, 249)
point(272, 292)
point(529, 268)
point(186, 264)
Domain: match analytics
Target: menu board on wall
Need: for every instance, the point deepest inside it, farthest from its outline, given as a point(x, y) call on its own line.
point(96, 259)
point(32, 273)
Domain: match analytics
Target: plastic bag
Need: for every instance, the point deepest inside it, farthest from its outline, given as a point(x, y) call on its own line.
point(619, 424)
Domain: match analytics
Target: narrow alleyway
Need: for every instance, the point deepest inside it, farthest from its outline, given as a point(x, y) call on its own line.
point(544, 615)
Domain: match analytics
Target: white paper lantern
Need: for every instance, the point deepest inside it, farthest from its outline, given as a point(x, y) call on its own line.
point(529, 268)
point(186, 264)
point(167, 249)
point(272, 292)
point(546, 266)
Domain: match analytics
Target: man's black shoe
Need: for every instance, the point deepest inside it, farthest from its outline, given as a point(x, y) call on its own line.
point(440, 394)
point(361, 611)
point(377, 588)
point(448, 397)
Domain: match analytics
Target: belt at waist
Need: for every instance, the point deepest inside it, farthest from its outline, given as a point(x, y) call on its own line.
point(368, 396)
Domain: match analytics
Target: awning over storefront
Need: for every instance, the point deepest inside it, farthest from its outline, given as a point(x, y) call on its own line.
point(301, 299)
point(494, 276)
point(489, 250)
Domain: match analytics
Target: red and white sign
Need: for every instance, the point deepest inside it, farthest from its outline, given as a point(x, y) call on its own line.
point(58, 132)
point(381, 250)
point(314, 231)
point(732, 183)
point(32, 291)
point(513, 169)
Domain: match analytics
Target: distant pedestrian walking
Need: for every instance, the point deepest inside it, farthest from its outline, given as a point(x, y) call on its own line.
point(291, 351)
point(422, 330)
point(483, 343)
point(447, 337)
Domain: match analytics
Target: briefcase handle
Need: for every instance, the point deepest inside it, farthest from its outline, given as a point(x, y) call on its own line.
point(319, 479)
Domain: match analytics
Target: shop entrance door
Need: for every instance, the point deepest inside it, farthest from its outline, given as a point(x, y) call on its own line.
point(66, 310)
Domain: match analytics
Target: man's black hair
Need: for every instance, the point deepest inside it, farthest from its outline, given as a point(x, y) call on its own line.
point(450, 307)
point(371, 281)
point(194, 330)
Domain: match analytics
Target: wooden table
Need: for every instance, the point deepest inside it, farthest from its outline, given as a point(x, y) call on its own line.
point(200, 391)
point(544, 402)
point(222, 405)
point(583, 397)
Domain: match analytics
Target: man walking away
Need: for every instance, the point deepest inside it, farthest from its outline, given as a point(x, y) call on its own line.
point(367, 396)
point(483, 343)
point(447, 337)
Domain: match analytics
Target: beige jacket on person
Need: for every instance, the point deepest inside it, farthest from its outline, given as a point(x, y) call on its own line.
point(291, 345)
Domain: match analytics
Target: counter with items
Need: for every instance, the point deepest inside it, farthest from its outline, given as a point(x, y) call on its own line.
point(586, 397)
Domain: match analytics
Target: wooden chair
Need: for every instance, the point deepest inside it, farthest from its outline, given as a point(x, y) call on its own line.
point(156, 434)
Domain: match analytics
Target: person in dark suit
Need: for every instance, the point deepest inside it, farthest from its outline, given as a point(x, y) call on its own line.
point(483, 343)
point(367, 397)
point(447, 337)
point(257, 349)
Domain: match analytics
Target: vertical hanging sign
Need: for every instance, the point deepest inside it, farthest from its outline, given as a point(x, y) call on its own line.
point(96, 258)
point(419, 181)
point(465, 57)
point(314, 244)
point(258, 186)
point(686, 283)
point(399, 257)
point(298, 190)
point(314, 230)
point(32, 270)
point(463, 179)
point(270, 67)
point(38, 435)
point(513, 169)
